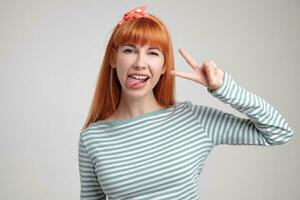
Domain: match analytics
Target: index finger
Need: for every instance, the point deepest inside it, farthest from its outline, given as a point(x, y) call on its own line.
point(188, 58)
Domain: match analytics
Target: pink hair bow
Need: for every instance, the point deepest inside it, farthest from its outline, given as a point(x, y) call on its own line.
point(134, 13)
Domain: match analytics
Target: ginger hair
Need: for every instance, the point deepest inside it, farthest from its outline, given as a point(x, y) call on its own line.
point(108, 88)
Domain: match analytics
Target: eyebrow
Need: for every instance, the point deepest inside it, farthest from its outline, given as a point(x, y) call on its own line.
point(131, 45)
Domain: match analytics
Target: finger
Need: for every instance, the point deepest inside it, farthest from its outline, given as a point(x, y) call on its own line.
point(210, 73)
point(188, 59)
point(190, 76)
point(213, 63)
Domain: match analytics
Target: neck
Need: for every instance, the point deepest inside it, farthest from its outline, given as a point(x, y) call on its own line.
point(132, 107)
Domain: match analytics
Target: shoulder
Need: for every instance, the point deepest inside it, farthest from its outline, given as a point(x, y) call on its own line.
point(92, 129)
point(194, 106)
point(201, 110)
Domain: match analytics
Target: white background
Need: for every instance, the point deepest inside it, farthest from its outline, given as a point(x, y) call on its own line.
point(50, 55)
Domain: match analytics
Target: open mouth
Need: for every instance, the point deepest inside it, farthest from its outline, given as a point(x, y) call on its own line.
point(139, 78)
point(136, 81)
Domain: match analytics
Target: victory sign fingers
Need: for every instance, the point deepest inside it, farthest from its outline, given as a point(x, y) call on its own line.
point(208, 74)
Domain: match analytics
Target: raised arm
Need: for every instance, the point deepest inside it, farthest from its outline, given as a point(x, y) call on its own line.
point(264, 125)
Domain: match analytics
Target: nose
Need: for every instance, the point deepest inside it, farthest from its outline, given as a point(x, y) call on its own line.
point(140, 62)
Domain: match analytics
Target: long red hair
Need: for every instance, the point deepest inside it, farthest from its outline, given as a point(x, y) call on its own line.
point(108, 88)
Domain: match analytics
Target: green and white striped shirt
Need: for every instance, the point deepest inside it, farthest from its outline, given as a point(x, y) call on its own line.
point(160, 154)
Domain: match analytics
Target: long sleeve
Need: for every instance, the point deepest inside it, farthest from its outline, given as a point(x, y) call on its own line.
point(90, 187)
point(264, 126)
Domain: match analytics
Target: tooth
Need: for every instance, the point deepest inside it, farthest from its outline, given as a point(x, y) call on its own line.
point(139, 76)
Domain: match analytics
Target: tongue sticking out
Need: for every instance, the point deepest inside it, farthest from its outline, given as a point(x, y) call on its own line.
point(130, 82)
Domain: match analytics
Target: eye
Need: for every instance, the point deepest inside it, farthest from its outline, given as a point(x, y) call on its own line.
point(154, 53)
point(128, 51)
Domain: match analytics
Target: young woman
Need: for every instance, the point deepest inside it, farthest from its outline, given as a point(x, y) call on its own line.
point(138, 142)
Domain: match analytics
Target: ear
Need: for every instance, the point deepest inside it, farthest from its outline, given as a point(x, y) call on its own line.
point(163, 70)
point(112, 59)
point(112, 65)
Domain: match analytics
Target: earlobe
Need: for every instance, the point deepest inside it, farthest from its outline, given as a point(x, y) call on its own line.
point(112, 63)
point(112, 66)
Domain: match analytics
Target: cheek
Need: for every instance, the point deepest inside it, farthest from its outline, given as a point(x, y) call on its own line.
point(161, 63)
point(157, 63)
point(157, 73)
point(160, 66)
point(123, 61)
point(157, 69)
point(123, 66)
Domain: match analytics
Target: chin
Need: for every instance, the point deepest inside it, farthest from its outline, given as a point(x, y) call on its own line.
point(137, 93)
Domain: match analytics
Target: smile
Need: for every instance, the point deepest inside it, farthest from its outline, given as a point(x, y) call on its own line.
point(136, 81)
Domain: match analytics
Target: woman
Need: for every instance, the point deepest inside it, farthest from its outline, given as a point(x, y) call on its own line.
point(138, 142)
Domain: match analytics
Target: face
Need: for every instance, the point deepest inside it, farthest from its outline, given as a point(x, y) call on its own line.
point(141, 60)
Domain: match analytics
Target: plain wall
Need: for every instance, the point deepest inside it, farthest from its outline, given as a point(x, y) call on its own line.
point(50, 57)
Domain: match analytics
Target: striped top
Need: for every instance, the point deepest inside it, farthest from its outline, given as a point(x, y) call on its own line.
point(160, 154)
